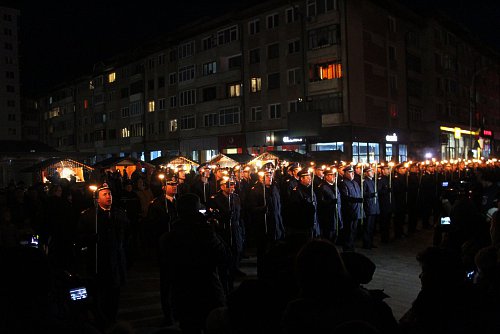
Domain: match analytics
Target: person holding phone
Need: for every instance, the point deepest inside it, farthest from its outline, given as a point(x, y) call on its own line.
point(104, 228)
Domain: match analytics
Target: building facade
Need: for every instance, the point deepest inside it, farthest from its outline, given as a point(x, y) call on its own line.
point(373, 79)
point(10, 114)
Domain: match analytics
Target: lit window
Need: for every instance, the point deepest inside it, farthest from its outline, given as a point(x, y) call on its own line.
point(234, 90)
point(151, 106)
point(125, 132)
point(173, 125)
point(111, 77)
point(330, 71)
point(85, 104)
point(255, 85)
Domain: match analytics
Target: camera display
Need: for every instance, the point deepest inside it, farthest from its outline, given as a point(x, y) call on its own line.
point(78, 293)
point(445, 221)
point(444, 184)
point(30, 241)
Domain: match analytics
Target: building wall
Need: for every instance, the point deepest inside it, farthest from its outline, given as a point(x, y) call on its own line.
point(392, 71)
point(10, 115)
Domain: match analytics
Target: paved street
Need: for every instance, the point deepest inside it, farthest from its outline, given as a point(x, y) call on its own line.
point(397, 273)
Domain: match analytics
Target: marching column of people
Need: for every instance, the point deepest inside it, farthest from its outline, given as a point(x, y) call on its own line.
point(127, 216)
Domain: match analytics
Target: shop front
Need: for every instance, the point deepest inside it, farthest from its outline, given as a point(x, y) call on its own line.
point(359, 144)
point(458, 143)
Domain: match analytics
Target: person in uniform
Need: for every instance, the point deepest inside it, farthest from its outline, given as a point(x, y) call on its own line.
point(225, 206)
point(303, 221)
point(264, 206)
point(289, 182)
point(413, 197)
point(351, 208)
point(319, 174)
point(161, 214)
point(329, 205)
point(201, 186)
point(104, 228)
point(370, 207)
point(385, 199)
point(427, 195)
point(399, 187)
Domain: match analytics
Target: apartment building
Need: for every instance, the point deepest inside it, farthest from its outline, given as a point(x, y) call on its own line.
point(10, 115)
point(369, 78)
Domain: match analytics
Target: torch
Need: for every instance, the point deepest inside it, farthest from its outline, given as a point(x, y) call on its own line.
point(263, 175)
point(93, 188)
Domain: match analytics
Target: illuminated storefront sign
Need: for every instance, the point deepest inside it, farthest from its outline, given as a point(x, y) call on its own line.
point(457, 131)
point(287, 139)
point(391, 138)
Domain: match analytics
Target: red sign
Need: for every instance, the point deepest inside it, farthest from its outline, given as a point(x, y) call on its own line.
point(487, 133)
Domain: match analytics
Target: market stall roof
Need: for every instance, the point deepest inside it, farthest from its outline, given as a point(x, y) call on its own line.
point(120, 161)
point(230, 160)
point(290, 156)
point(176, 160)
point(55, 163)
point(324, 157)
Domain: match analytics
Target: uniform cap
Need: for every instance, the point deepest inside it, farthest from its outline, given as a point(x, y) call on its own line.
point(303, 172)
point(348, 169)
point(330, 170)
point(102, 187)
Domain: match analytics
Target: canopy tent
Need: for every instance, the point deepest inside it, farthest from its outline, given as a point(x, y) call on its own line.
point(230, 160)
point(54, 168)
point(127, 164)
point(276, 157)
point(175, 162)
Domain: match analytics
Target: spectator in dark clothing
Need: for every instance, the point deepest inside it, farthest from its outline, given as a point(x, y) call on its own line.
point(131, 203)
point(444, 304)
point(190, 255)
point(329, 297)
point(487, 290)
point(62, 227)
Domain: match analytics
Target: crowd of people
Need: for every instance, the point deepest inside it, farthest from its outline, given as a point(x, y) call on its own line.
point(303, 223)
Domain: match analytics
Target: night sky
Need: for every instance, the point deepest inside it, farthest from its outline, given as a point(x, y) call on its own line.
point(62, 40)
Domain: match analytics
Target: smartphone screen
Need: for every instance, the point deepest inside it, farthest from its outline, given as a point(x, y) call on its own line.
point(78, 293)
point(445, 221)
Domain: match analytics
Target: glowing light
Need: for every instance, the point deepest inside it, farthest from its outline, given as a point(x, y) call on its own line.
point(66, 173)
point(161, 176)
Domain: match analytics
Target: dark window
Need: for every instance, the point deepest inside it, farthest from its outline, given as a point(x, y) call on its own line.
point(254, 56)
point(151, 84)
point(161, 82)
point(137, 87)
point(273, 81)
point(273, 51)
point(324, 36)
point(209, 93)
point(234, 61)
point(124, 92)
